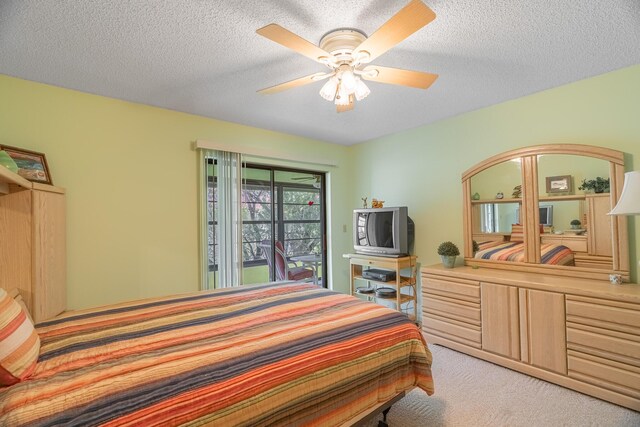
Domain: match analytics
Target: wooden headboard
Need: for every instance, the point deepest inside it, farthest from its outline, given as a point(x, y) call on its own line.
point(33, 244)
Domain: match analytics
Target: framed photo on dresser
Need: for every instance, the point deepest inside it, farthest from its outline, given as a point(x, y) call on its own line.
point(31, 164)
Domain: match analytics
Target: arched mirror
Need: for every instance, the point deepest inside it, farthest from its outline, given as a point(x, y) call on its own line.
point(544, 209)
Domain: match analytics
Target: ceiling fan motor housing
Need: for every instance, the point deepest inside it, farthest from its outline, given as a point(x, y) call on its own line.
point(341, 42)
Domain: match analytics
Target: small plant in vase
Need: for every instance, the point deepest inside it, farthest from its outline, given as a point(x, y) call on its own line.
point(448, 252)
point(598, 185)
point(475, 247)
point(575, 224)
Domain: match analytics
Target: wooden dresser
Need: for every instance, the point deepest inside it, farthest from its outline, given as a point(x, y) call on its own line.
point(33, 244)
point(579, 333)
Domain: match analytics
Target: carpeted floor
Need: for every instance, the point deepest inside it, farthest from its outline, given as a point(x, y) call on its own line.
point(472, 392)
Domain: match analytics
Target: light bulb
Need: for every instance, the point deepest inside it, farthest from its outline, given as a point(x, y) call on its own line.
point(343, 96)
point(362, 90)
point(348, 81)
point(328, 90)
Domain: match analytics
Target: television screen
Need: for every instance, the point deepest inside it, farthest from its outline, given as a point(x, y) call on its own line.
point(380, 229)
point(383, 231)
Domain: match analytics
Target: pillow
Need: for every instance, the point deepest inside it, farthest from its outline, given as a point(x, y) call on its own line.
point(15, 294)
point(517, 235)
point(19, 342)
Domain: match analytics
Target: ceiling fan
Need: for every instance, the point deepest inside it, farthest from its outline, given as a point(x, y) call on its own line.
point(348, 51)
point(314, 178)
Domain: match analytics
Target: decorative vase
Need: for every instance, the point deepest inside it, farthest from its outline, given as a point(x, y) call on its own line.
point(575, 226)
point(7, 161)
point(448, 260)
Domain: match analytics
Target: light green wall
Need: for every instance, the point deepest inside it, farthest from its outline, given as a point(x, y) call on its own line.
point(131, 175)
point(131, 180)
point(422, 167)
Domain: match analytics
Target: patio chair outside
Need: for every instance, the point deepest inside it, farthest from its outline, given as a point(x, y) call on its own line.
point(285, 269)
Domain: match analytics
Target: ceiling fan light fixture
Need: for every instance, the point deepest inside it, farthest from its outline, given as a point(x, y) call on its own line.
point(348, 81)
point(342, 98)
point(329, 89)
point(362, 90)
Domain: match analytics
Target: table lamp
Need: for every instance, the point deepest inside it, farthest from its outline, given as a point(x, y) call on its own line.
point(629, 203)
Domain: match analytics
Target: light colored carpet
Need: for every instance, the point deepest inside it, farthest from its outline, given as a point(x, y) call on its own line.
point(472, 392)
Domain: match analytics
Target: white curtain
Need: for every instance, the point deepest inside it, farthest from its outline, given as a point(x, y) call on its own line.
point(229, 227)
point(226, 176)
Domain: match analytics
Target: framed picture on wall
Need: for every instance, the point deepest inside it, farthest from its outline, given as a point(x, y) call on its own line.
point(31, 165)
point(559, 184)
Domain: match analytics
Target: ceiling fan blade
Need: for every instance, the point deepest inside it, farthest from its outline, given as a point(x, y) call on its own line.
point(407, 21)
point(278, 34)
point(398, 76)
point(294, 83)
point(348, 107)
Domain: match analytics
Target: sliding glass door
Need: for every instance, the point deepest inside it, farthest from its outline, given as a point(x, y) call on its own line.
point(283, 225)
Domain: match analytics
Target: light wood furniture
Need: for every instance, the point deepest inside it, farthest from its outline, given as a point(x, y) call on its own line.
point(405, 284)
point(33, 244)
point(599, 225)
point(607, 238)
point(577, 243)
point(579, 333)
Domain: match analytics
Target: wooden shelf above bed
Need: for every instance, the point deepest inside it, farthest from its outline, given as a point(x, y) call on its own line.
point(9, 178)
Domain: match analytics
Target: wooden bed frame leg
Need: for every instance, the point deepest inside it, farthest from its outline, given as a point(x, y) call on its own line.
point(383, 423)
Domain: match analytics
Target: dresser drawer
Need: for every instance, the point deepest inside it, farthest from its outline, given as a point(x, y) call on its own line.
point(455, 288)
point(463, 311)
point(618, 346)
point(453, 330)
point(605, 373)
point(575, 243)
point(611, 315)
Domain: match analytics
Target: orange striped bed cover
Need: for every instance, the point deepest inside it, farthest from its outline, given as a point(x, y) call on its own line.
point(292, 354)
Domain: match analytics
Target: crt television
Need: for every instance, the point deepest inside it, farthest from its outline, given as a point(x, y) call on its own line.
point(546, 215)
point(383, 231)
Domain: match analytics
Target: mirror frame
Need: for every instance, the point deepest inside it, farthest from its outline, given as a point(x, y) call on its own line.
point(530, 214)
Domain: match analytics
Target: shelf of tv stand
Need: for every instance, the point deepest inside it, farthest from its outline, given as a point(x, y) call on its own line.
point(359, 262)
point(404, 281)
point(404, 298)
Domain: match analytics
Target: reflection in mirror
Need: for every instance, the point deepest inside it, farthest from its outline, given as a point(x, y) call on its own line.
point(579, 215)
point(495, 208)
point(567, 192)
point(501, 179)
point(498, 217)
point(556, 170)
point(558, 216)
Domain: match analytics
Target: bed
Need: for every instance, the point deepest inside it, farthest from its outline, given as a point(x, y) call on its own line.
point(274, 354)
point(514, 251)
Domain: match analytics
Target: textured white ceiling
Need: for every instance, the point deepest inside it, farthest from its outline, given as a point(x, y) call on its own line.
point(204, 57)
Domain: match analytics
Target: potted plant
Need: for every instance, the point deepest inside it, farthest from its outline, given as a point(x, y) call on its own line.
point(475, 247)
point(575, 224)
point(598, 185)
point(448, 253)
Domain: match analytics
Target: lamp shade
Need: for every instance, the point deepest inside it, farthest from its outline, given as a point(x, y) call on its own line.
point(329, 89)
point(629, 203)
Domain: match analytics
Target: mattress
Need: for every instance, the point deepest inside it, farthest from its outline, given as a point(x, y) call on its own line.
point(514, 251)
point(292, 354)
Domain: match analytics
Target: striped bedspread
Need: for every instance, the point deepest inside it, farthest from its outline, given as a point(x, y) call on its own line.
point(291, 354)
point(514, 251)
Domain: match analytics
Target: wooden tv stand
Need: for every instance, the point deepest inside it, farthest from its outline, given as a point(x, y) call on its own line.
point(405, 285)
point(579, 333)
